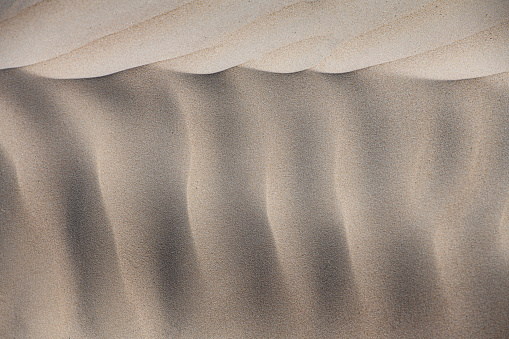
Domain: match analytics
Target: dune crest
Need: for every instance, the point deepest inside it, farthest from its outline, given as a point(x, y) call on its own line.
point(66, 39)
point(254, 169)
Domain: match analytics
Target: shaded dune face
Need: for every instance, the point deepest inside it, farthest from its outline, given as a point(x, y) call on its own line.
point(152, 204)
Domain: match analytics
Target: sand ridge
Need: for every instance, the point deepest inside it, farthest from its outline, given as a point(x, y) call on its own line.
point(259, 169)
point(150, 203)
point(64, 39)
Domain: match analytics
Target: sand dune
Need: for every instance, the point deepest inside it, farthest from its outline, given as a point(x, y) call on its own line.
point(259, 169)
point(150, 203)
point(63, 39)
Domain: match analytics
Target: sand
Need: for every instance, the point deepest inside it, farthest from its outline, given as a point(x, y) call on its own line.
point(447, 39)
point(254, 184)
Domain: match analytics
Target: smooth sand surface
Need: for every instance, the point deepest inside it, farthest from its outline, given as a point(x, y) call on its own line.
point(342, 172)
point(69, 39)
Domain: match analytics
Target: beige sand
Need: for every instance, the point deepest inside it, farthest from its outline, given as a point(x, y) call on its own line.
point(69, 39)
point(155, 200)
point(248, 204)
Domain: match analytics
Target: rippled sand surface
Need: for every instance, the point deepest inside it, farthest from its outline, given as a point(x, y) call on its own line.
point(445, 39)
point(249, 204)
point(221, 169)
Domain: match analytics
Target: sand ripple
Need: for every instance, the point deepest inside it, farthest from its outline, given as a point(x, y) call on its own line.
point(155, 204)
point(447, 39)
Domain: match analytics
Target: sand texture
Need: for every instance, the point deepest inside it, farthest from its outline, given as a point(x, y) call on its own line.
point(254, 169)
point(447, 39)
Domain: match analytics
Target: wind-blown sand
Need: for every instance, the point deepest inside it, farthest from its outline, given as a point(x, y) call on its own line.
point(446, 39)
point(247, 203)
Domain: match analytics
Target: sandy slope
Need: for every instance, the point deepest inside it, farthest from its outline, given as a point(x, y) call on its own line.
point(248, 204)
point(254, 169)
point(444, 39)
